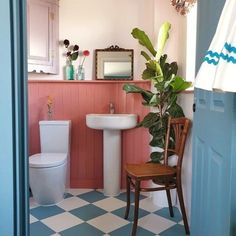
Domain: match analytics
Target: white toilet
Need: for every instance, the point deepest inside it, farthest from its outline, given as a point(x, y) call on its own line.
point(48, 170)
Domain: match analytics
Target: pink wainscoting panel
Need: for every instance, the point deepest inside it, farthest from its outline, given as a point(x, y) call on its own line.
point(73, 101)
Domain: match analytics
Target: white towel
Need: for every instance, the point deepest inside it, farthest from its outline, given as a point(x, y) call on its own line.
point(217, 72)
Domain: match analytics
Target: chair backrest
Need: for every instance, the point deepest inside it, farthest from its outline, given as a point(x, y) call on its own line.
point(180, 128)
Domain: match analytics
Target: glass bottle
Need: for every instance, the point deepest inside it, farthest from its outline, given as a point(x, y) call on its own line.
point(80, 75)
point(69, 70)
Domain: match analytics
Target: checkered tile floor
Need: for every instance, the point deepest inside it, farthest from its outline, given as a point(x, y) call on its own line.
point(86, 212)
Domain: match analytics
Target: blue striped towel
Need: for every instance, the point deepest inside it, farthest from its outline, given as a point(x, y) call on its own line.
point(218, 70)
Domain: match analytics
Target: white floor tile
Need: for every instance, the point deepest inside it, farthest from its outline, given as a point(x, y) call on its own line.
point(181, 222)
point(108, 222)
point(76, 191)
point(147, 194)
point(110, 204)
point(33, 219)
point(99, 190)
point(148, 205)
point(62, 221)
point(72, 203)
point(155, 223)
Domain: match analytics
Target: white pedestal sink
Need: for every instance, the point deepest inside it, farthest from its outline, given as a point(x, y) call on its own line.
point(111, 124)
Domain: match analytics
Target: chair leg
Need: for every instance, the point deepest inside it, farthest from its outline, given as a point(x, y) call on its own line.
point(169, 202)
point(127, 196)
point(136, 207)
point(181, 202)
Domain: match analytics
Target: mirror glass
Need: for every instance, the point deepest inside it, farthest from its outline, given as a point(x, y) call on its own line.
point(114, 63)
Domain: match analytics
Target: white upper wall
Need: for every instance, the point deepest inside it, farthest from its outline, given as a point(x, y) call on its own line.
point(176, 44)
point(94, 24)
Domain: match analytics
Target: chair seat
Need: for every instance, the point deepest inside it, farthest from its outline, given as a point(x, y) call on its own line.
point(148, 171)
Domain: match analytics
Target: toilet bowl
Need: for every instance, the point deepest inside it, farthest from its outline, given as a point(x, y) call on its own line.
point(48, 170)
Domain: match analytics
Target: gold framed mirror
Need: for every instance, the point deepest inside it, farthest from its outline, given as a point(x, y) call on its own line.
point(114, 63)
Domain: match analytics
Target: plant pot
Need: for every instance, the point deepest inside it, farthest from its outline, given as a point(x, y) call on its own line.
point(159, 198)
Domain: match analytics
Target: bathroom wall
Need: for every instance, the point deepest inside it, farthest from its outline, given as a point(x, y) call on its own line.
point(186, 100)
point(72, 100)
point(94, 24)
point(98, 24)
point(176, 44)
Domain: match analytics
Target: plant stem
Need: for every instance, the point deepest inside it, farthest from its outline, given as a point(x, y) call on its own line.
point(82, 62)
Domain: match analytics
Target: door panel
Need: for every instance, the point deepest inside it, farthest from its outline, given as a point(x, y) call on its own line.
point(212, 143)
point(212, 131)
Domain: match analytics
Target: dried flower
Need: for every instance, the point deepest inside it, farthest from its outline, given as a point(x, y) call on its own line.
point(66, 43)
point(71, 55)
point(49, 106)
point(76, 47)
point(85, 53)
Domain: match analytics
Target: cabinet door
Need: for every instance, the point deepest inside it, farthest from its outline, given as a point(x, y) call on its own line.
point(43, 42)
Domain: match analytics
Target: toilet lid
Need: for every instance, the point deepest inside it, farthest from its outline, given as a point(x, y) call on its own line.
point(47, 160)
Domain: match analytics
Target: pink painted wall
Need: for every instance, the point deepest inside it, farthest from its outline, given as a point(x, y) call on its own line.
point(72, 101)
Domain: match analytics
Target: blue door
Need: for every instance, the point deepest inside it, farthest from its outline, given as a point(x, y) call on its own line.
point(13, 120)
point(214, 162)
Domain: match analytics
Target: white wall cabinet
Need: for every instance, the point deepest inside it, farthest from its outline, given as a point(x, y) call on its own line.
point(43, 41)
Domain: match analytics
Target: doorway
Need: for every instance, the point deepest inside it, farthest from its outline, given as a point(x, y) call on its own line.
point(14, 211)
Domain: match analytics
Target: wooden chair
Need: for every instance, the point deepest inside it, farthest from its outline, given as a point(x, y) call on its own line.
point(162, 174)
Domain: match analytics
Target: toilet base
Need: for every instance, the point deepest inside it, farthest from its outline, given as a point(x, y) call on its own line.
point(48, 184)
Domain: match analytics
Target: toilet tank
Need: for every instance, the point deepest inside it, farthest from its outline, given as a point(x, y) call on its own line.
point(55, 136)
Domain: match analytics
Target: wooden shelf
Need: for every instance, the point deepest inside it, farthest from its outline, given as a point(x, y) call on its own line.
point(89, 81)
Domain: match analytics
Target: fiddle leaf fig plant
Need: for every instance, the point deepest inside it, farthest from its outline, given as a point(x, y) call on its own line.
point(166, 87)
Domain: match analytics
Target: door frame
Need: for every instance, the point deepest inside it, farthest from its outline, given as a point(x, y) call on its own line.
point(14, 206)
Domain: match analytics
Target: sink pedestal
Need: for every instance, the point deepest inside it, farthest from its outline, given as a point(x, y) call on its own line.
point(111, 124)
point(111, 162)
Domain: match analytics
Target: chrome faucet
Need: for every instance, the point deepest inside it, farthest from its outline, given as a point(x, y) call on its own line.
point(111, 108)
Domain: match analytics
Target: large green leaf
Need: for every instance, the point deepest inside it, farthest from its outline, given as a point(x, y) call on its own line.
point(131, 88)
point(156, 157)
point(148, 74)
point(179, 84)
point(152, 65)
point(157, 141)
point(160, 86)
point(144, 40)
point(146, 56)
point(175, 110)
point(148, 120)
point(155, 101)
point(162, 38)
point(171, 100)
point(74, 56)
point(170, 70)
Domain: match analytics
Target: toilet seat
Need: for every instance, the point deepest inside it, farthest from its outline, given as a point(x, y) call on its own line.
point(45, 160)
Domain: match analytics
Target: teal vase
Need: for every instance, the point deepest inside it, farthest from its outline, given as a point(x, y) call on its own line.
point(80, 75)
point(69, 71)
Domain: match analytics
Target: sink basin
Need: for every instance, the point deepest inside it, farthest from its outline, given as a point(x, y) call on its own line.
point(111, 121)
point(111, 124)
